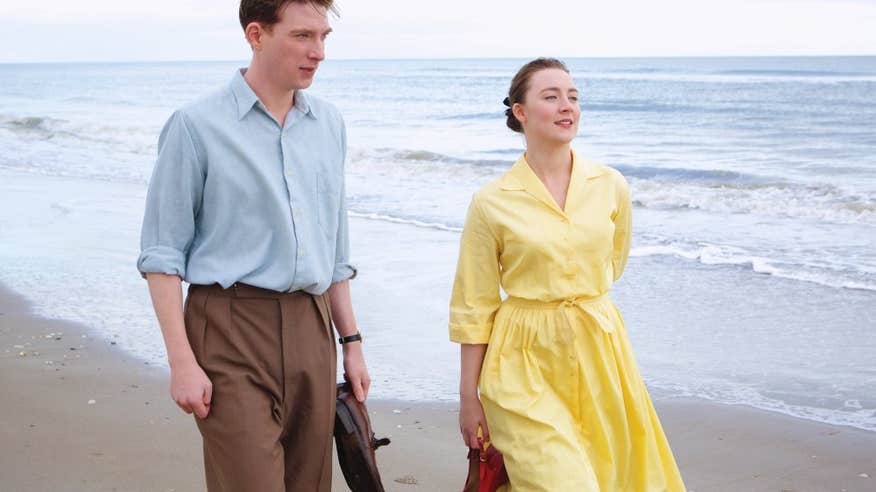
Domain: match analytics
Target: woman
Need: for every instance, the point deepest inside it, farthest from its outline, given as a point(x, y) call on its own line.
point(559, 386)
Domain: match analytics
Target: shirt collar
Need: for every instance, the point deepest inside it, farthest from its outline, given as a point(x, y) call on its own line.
point(246, 98)
point(302, 103)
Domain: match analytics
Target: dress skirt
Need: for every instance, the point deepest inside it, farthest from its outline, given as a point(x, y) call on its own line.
point(565, 402)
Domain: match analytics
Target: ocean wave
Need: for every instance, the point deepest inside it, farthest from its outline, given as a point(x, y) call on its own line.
point(516, 151)
point(710, 254)
point(415, 155)
point(128, 138)
point(400, 220)
point(655, 107)
point(426, 156)
point(793, 73)
point(750, 112)
point(78, 168)
point(727, 78)
point(820, 202)
point(687, 174)
point(438, 75)
point(634, 107)
point(29, 122)
point(36, 127)
point(728, 393)
point(636, 70)
point(473, 116)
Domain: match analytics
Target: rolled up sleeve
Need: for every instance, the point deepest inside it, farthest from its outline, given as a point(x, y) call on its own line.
point(343, 269)
point(475, 297)
point(172, 202)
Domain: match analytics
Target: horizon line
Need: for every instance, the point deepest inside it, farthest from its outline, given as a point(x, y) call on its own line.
point(115, 61)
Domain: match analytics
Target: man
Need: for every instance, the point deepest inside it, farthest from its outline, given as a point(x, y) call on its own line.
point(246, 204)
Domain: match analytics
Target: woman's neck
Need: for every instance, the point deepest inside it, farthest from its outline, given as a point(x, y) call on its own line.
point(549, 161)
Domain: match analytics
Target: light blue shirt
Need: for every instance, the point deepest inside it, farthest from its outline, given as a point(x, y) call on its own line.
point(235, 197)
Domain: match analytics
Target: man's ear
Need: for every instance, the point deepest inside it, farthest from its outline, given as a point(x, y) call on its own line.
point(254, 33)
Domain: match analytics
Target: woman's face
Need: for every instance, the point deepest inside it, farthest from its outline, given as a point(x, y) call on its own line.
point(550, 112)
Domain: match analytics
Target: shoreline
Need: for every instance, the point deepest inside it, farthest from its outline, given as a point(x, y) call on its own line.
point(81, 414)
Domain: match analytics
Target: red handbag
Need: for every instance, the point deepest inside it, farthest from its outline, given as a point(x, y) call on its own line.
point(486, 471)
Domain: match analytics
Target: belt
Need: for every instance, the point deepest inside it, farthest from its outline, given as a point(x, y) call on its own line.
point(239, 289)
point(587, 305)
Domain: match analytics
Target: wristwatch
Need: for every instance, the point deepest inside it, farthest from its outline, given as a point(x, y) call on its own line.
point(356, 337)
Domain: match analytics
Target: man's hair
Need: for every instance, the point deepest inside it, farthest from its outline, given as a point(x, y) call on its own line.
point(267, 12)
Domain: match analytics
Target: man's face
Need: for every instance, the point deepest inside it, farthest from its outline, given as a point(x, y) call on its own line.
point(294, 47)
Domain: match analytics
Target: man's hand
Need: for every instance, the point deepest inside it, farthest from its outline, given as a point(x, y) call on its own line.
point(191, 389)
point(355, 371)
point(354, 362)
point(189, 386)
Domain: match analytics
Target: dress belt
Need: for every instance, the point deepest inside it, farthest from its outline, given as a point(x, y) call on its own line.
point(587, 305)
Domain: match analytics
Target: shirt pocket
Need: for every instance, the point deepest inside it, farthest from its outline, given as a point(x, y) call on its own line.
point(328, 199)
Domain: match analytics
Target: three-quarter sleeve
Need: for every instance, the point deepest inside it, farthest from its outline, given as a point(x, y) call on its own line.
point(622, 219)
point(475, 297)
point(343, 269)
point(172, 202)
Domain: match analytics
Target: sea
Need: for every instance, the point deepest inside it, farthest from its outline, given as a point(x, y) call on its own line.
point(752, 278)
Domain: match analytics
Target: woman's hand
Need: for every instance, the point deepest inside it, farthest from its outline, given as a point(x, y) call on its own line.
point(471, 413)
point(471, 417)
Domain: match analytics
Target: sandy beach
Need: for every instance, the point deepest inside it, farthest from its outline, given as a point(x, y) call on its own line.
point(80, 414)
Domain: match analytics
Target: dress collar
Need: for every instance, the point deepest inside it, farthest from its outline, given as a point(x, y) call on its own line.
point(522, 177)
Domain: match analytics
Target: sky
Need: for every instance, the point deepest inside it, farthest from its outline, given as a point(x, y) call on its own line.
point(165, 30)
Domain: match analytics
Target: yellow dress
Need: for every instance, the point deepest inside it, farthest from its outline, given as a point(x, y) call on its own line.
point(561, 391)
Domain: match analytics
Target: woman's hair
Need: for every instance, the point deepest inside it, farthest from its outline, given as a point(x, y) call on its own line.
point(267, 12)
point(520, 84)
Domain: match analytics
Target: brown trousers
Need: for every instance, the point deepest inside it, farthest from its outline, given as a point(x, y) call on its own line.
point(271, 359)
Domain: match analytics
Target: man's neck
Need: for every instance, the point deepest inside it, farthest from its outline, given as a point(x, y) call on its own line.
point(277, 100)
